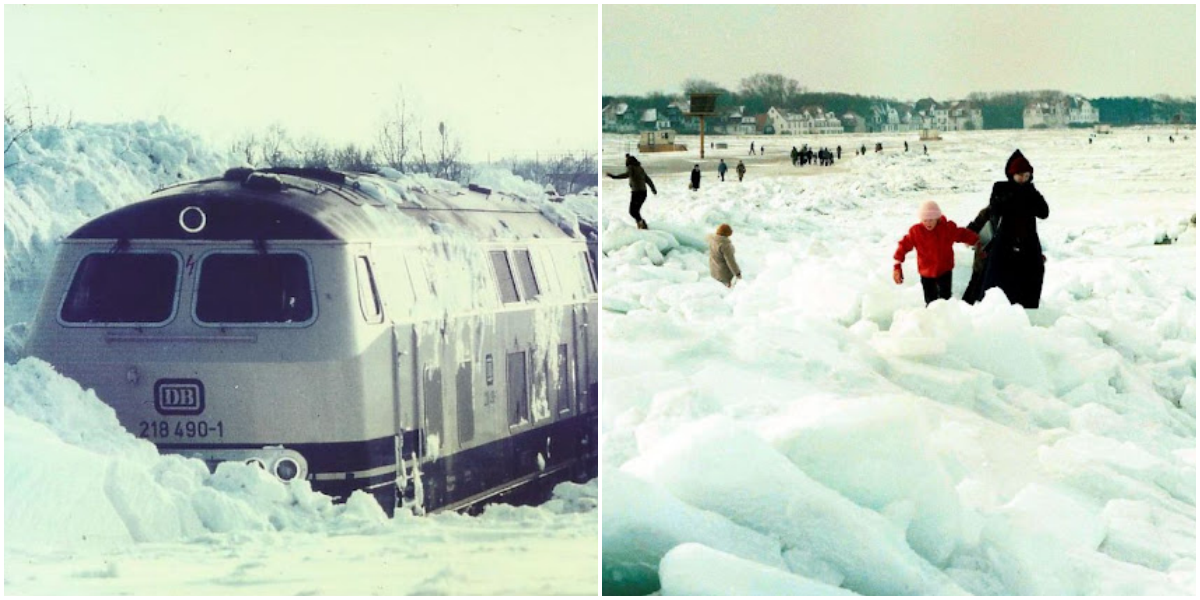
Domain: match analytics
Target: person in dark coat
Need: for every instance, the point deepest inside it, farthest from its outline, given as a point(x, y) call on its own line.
point(638, 180)
point(721, 169)
point(982, 226)
point(741, 170)
point(864, 149)
point(695, 178)
point(751, 148)
point(1014, 262)
point(839, 150)
point(795, 155)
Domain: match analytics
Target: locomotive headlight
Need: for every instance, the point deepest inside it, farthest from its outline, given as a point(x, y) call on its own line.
point(286, 469)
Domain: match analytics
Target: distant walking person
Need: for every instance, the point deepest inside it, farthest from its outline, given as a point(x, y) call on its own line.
point(762, 150)
point(925, 149)
point(741, 170)
point(721, 263)
point(638, 180)
point(721, 169)
point(839, 152)
point(751, 148)
point(864, 149)
point(906, 146)
point(695, 178)
point(1015, 262)
point(934, 239)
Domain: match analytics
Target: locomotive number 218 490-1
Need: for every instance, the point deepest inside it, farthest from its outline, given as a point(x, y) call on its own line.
point(180, 429)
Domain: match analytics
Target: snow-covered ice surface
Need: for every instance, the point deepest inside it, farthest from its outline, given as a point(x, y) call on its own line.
point(817, 428)
point(90, 509)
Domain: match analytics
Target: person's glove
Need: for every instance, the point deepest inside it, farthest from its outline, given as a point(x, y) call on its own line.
point(897, 274)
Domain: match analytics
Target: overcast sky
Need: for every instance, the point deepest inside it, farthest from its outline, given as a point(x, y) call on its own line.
point(906, 52)
point(505, 78)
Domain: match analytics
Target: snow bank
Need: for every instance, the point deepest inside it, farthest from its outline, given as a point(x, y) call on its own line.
point(58, 178)
point(696, 570)
point(718, 466)
point(74, 476)
point(633, 547)
point(983, 448)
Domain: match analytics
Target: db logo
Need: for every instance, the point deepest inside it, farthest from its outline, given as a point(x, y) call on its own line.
point(179, 396)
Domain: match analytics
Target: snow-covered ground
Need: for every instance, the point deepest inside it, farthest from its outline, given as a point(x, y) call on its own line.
point(90, 509)
point(817, 428)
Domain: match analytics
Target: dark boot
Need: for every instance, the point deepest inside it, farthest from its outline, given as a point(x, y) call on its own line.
point(642, 225)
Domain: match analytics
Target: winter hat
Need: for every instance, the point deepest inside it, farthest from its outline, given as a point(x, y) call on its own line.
point(929, 210)
point(1017, 163)
point(725, 230)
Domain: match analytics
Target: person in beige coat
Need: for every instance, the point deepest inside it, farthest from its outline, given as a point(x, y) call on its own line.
point(721, 263)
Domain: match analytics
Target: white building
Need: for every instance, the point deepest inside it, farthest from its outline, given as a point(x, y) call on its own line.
point(810, 121)
point(1064, 113)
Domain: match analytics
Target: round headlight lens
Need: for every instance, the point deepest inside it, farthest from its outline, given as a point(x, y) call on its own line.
point(286, 469)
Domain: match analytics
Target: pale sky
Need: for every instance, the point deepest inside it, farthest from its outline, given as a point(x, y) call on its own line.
point(906, 52)
point(506, 79)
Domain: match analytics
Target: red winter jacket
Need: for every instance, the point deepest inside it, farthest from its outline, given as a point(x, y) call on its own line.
point(935, 249)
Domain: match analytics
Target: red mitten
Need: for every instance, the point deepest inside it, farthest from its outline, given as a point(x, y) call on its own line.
point(897, 274)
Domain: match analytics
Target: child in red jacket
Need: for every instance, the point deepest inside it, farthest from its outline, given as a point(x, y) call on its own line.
point(934, 239)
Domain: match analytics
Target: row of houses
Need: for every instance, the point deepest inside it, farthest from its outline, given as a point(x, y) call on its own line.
point(886, 117)
point(927, 114)
point(1068, 112)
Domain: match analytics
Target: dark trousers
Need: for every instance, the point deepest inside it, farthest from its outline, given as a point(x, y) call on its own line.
point(936, 287)
point(636, 200)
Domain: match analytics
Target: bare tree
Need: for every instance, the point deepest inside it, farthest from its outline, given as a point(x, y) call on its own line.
point(395, 137)
point(774, 89)
point(314, 153)
point(352, 158)
point(11, 119)
point(275, 146)
point(246, 147)
point(449, 150)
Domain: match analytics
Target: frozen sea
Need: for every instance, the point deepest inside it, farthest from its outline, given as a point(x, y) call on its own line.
point(817, 429)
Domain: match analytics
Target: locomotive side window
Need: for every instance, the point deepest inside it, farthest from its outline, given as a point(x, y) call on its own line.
point(518, 390)
point(529, 283)
point(123, 288)
point(466, 407)
point(254, 288)
point(591, 269)
point(504, 276)
point(368, 295)
point(433, 412)
point(564, 389)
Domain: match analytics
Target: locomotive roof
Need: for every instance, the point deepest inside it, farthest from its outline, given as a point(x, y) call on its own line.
point(318, 204)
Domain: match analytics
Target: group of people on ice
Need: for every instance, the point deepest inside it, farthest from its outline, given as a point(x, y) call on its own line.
point(805, 155)
point(1008, 252)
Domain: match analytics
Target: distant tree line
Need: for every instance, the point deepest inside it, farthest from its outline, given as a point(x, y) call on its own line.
point(1001, 110)
point(568, 173)
point(401, 143)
